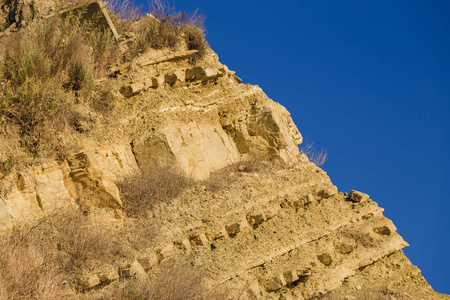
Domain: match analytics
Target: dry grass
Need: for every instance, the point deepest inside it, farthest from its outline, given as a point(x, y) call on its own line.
point(142, 191)
point(171, 282)
point(316, 157)
point(229, 175)
point(163, 29)
point(36, 259)
point(41, 68)
point(48, 67)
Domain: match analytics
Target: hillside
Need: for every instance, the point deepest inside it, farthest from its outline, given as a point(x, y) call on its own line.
point(134, 165)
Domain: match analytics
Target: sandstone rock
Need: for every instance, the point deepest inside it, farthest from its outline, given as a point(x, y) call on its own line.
point(197, 150)
point(165, 252)
point(328, 192)
point(108, 274)
point(148, 261)
point(357, 197)
point(270, 284)
point(255, 220)
point(233, 229)
point(382, 230)
point(173, 77)
point(201, 74)
point(309, 199)
point(198, 239)
point(157, 81)
point(185, 244)
point(265, 126)
point(288, 277)
point(344, 248)
point(325, 258)
point(133, 270)
point(93, 188)
point(89, 280)
point(132, 89)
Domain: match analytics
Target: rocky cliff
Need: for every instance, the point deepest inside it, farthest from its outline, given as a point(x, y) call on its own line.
point(279, 231)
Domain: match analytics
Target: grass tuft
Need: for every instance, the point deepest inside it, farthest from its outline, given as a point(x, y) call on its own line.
point(141, 192)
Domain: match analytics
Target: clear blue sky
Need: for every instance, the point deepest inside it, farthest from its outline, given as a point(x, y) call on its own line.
point(370, 82)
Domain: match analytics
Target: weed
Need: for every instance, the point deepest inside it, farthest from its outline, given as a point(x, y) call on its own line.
point(37, 258)
point(42, 65)
point(141, 192)
point(173, 281)
point(228, 175)
point(316, 157)
point(162, 28)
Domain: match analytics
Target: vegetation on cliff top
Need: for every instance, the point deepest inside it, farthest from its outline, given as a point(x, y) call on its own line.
point(51, 67)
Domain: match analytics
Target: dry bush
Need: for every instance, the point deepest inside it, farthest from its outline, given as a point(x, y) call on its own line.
point(172, 282)
point(141, 191)
point(126, 10)
point(195, 40)
point(316, 157)
point(40, 112)
point(24, 270)
point(37, 258)
point(228, 175)
point(164, 29)
point(140, 233)
point(81, 239)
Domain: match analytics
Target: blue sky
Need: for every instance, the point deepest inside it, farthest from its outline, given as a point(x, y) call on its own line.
point(370, 82)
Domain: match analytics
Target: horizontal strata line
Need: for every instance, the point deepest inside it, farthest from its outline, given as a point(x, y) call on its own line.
point(296, 246)
point(359, 268)
point(201, 107)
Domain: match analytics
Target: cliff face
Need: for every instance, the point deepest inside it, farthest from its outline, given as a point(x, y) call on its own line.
point(275, 233)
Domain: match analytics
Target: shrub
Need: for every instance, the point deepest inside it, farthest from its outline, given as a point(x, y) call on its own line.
point(36, 259)
point(41, 66)
point(195, 40)
point(172, 282)
point(141, 192)
point(40, 112)
point(316, 157)
point(163, 29)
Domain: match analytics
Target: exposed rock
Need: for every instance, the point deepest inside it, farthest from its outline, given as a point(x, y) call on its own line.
point(325, 258)
point(358, 197)
point(133, 270)
point(108, 274)
point(382, 230)
point(344, 248)
point(132, 89)
point(89, 280)
point(85, 180)
point(271, 284)
point(202, 74)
